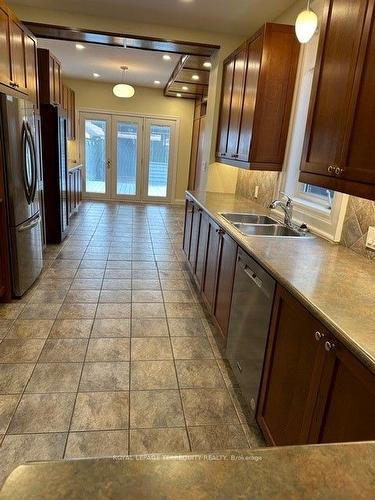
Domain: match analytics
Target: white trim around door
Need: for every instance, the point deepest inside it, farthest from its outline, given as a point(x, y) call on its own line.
point(138, 154)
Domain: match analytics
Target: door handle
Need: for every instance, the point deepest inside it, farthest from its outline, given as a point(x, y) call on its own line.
point(250, 273)
point(108, 164)
point(29, 226)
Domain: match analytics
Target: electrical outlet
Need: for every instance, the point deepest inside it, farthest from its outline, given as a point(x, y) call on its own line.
point(370, 242)
point(256, 192)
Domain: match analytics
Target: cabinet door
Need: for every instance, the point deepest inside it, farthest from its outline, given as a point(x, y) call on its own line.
point(5, 70)
point(31, 68)
point(17, 51)
point(202, 249)
point(251, 85)
point(209, 282)
point(225, 278)
point(72, 105)
point(194, 240)
point(225, 109)
point(240, 65)
point(51, 76)
point(346, 404)
point(341, 31)
point(57, 83)
point(358, 154)
point(5, 280)
point(187, 227)
point(293, 366)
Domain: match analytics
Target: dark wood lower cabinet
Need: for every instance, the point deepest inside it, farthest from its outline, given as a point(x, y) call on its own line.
point(74, 190)
point(346, 406)
point(210, 274)
point(314, 390)
point(211, 254)
point(225, 279)
point(187, 228)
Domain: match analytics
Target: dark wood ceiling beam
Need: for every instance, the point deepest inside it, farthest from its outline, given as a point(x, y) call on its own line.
point(55, 32)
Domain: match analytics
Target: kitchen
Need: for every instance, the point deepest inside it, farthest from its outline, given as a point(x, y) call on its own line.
point(233, 320)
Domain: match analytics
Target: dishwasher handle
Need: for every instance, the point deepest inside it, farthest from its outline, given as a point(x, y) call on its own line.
point(253, 276)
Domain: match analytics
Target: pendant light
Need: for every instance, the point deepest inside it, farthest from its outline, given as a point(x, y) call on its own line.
point(123, 89)
point(306, 24)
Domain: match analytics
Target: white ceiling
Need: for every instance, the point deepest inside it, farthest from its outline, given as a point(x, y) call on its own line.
point(144, 66)
point(238, 17)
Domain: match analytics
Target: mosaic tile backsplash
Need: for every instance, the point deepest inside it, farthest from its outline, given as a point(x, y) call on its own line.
point(360, 214)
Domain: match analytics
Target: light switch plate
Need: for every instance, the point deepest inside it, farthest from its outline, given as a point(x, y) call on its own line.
point(370, 242)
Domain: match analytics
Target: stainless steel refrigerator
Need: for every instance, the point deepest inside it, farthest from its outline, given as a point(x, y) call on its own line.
point(21, 161)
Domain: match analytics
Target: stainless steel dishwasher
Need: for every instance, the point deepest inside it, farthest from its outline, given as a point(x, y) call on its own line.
point(252, 300)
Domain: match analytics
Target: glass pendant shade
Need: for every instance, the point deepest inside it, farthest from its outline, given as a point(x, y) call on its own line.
point(306, 25)
point(123, 89)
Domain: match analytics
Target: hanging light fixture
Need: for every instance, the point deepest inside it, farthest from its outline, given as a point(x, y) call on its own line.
point(306, 24)
point(123, 89)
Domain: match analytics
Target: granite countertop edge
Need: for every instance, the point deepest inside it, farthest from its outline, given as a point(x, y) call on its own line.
point(320, 314)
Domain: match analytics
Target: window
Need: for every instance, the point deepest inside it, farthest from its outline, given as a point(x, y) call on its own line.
point(321, 209)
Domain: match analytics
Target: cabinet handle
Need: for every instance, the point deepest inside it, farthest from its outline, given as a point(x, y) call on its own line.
point(319, 336)
point(339, 171)
point(329, 346)
point(331, 169)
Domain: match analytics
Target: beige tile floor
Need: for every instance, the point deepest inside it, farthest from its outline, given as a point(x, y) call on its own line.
point(111, 353)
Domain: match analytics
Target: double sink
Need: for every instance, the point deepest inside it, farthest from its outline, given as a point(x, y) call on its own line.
point(262, 225)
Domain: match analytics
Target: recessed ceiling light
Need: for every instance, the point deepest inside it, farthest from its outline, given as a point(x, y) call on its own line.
point(207, 64)
point(156, 82)
point(166, 57)
point(96, 75)
point(185, 87)
point(195, 77)
point(79, 46)
point(178, 94)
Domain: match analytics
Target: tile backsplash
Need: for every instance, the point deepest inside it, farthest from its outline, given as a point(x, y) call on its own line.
point(360, 214)
point(248, 180)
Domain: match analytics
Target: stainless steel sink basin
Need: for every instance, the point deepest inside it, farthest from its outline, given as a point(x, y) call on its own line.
point(248, 218)
point(269, 230)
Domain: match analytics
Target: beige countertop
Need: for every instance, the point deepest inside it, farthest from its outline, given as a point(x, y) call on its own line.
point(338, 471)
point(333, 282)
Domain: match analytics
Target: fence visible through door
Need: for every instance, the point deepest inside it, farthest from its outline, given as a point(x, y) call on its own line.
point(128, 157)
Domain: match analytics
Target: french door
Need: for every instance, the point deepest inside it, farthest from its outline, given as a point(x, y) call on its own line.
point(128, 157)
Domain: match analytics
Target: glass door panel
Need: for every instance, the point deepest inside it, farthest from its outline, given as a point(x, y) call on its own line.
point(127, 141)
point(96, 152)
point(159, 150)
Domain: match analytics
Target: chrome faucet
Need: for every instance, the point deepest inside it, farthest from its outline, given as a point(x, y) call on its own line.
point(287, 208)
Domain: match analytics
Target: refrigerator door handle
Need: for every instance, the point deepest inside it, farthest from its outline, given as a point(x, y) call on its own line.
point(34, 162)
point(29, 163)
point(31, 225)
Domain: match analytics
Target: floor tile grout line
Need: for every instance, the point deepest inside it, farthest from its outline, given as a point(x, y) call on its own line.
point(178, 383)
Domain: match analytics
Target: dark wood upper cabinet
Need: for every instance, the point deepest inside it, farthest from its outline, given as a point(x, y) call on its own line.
point(225, 108)
point(338, 149)
point(18, 70)
point(50, 85)
point(68, 105)
point(18, 60)
point(5, 70)
point(257, 94)
point(311, 382)
point(31, 68)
